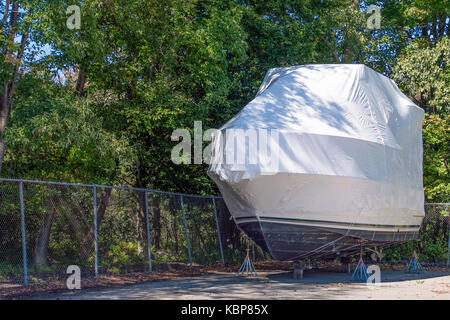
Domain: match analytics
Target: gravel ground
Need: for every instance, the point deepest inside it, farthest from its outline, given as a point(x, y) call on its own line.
point(316, 284)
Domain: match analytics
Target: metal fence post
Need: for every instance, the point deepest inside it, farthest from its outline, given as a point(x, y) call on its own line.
point(94, 191)
point(149, 245)
point(24, 238)
point(218, 230)
point(186, 231)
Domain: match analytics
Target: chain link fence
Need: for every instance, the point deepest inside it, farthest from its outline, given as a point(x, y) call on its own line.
point(47, 226)
point(434, 236)
point(433, 245)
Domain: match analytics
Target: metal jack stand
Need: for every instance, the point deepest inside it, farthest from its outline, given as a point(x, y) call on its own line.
point(414, 265)
point(247, 266)
point(360, 273)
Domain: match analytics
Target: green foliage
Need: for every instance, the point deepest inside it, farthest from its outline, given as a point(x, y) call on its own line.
point(53, 136)
point(9, 270)
point(423, 74)
point(399, 253)
point(432, 245)
point(436, 142)
point(122, 255)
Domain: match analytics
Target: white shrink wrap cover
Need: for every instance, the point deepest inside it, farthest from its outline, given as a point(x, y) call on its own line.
point(337, 157)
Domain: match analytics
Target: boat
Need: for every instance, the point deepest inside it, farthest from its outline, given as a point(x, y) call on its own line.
point(324, 161)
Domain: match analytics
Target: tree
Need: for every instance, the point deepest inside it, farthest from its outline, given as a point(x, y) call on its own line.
point(13, 25)
point(423, 74)
point(54, 137)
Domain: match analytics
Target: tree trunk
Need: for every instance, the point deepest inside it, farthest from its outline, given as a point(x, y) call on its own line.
point(41, 247)
point(4, 111)
point(87, 245)
point(441, 24)
point(6, 12)
point(230, 233)
point(81, 82)
point(347, 55)
point(7, 87)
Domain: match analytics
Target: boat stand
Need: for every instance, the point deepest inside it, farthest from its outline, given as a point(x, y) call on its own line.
point(360, 274)
point(346, 265)
point(299, 267)
point(247, 266)
point(414, 265)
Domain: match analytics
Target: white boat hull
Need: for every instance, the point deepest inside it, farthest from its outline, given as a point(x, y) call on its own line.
point(290, 231)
